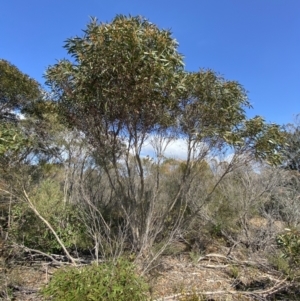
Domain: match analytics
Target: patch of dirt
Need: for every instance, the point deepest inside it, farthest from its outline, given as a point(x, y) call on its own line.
point(22, 282)
point(181, 276)
point(20, 279)
point(215, 276)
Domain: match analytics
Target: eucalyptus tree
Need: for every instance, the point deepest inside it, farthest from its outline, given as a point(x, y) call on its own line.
point(120, 88)
point(124, 87)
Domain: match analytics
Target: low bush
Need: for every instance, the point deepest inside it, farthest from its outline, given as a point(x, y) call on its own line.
point(108, 281)
point(289, 244)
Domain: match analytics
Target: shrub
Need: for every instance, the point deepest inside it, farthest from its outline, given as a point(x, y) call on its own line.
point(28, 229)
point(289, 243)
point(108, 281)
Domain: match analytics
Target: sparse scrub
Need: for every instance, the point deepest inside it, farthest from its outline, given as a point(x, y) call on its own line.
point(74, 177)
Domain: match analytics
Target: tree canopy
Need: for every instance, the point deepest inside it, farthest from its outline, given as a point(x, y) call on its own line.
point(126, 73)
point(16, 90)
point(127, 79)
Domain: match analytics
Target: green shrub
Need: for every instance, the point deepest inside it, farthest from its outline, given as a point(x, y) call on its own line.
point(108, 281)
point(289, 243)
point(26, 228)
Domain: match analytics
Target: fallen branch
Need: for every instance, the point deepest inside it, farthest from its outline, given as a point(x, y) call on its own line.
point(40, 253)
point(210, 266)
point(230, 259)
point(214, 255)
point(57, 262)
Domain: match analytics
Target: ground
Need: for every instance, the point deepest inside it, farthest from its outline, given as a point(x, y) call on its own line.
point(188, 276)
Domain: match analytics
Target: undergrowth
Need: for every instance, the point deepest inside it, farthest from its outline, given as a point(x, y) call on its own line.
point(107, 281)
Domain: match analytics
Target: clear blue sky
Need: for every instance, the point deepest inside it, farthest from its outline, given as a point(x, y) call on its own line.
point(256, 42)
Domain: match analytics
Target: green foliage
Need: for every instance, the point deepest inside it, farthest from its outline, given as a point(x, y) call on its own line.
point(16, 90)
point(211, 105)
point(264, 141)
point(108, 281)
point(215, 230)
point(213, 109)
point(28, 229)
point(291, 150)
point(20, 138)
point(128, 75)
point(11, 139)
point(289, 243)
point(124, 72)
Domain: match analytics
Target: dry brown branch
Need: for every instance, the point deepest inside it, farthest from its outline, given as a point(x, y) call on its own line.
point(230, 259)
point(215, 255)
point(210, 266)
point(40, 252)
